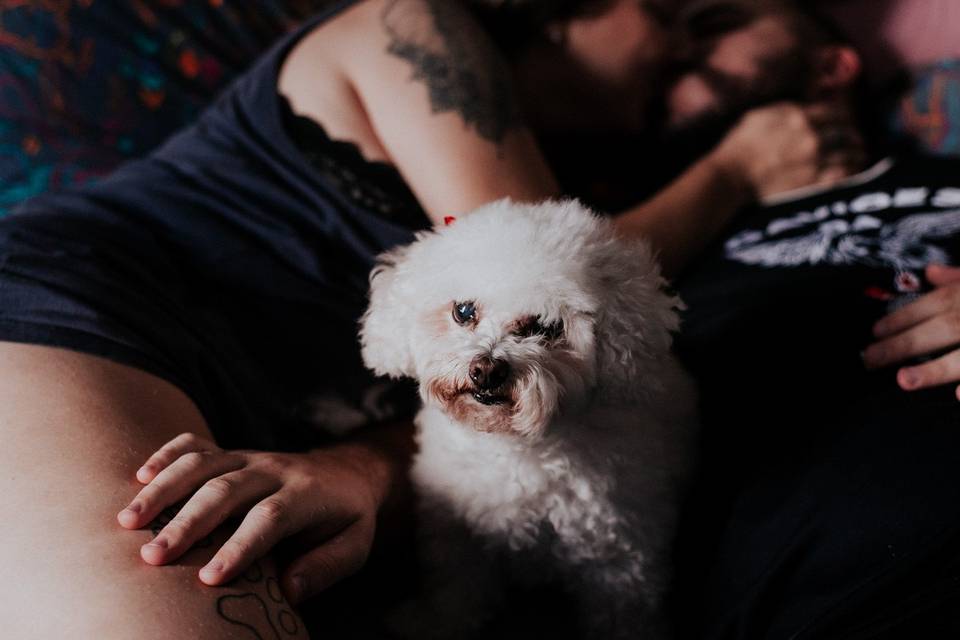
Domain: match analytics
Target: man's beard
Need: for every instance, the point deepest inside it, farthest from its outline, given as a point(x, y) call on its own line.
point(786, 77)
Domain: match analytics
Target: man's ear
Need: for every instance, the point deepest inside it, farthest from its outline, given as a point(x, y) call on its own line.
point(837, 68)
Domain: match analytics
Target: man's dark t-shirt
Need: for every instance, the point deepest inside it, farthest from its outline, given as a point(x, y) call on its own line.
point(818, 476)
point(790, 294)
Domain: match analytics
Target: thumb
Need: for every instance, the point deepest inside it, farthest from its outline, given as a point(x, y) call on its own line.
point(337, 558)
point(940, 274)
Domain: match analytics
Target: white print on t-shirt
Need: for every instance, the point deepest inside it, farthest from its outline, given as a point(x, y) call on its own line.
point(847, 232)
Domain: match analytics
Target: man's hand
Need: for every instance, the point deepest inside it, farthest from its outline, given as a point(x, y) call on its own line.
point(328, 498)
point(785, 146)
point(927, 325)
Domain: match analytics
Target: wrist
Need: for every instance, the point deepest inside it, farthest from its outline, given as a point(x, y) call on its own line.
point(731, 174)
point(379, 456)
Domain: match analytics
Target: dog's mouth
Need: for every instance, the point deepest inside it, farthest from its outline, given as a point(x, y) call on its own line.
point(486, 410)
point(489, 397)
point(467, 397)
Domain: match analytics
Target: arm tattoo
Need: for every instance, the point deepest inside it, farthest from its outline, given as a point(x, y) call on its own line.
point(455, 58)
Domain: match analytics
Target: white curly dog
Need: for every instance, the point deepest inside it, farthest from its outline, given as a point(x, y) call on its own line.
point(556, 428)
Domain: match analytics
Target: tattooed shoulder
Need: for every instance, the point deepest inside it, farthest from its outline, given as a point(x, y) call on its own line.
point(451, 54)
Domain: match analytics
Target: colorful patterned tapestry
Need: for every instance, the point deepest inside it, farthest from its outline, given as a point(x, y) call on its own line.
point(85, 84)
point(930, 112)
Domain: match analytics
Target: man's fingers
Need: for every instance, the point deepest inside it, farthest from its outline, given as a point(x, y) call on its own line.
point(943, 370)
point(920, 310)
point(173, 483)
point(835, 139)
point(929, 336)
point(341, 556)
point(165, 455)
point(268, 522)
point(214, 502)
point(940, 274)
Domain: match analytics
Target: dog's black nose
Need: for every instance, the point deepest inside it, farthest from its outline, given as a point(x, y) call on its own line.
point(488, 373)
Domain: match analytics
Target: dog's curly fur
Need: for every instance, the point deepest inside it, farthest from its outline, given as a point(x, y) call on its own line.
point(574, 468)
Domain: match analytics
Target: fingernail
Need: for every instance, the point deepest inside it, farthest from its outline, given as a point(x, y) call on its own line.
point(908, 379)
point(299, 586)
point(143, 472)
point(214, 566)
point(159, 543)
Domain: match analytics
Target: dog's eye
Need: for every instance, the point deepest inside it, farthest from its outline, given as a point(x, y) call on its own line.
point(551, 331)
point(464, 312)
point(532, 326)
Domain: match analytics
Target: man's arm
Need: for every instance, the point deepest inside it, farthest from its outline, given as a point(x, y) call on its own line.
point(682, 218)
point(772, 150)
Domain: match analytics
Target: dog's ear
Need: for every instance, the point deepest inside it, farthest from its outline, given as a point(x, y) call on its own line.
point(384, 328)
point(635, 324)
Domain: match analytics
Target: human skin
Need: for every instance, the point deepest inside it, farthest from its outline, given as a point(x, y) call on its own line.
point(329, 498)
point(74, 430)
point(929, 324)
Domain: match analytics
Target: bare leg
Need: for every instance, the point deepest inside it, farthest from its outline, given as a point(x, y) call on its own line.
point(74, 429)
